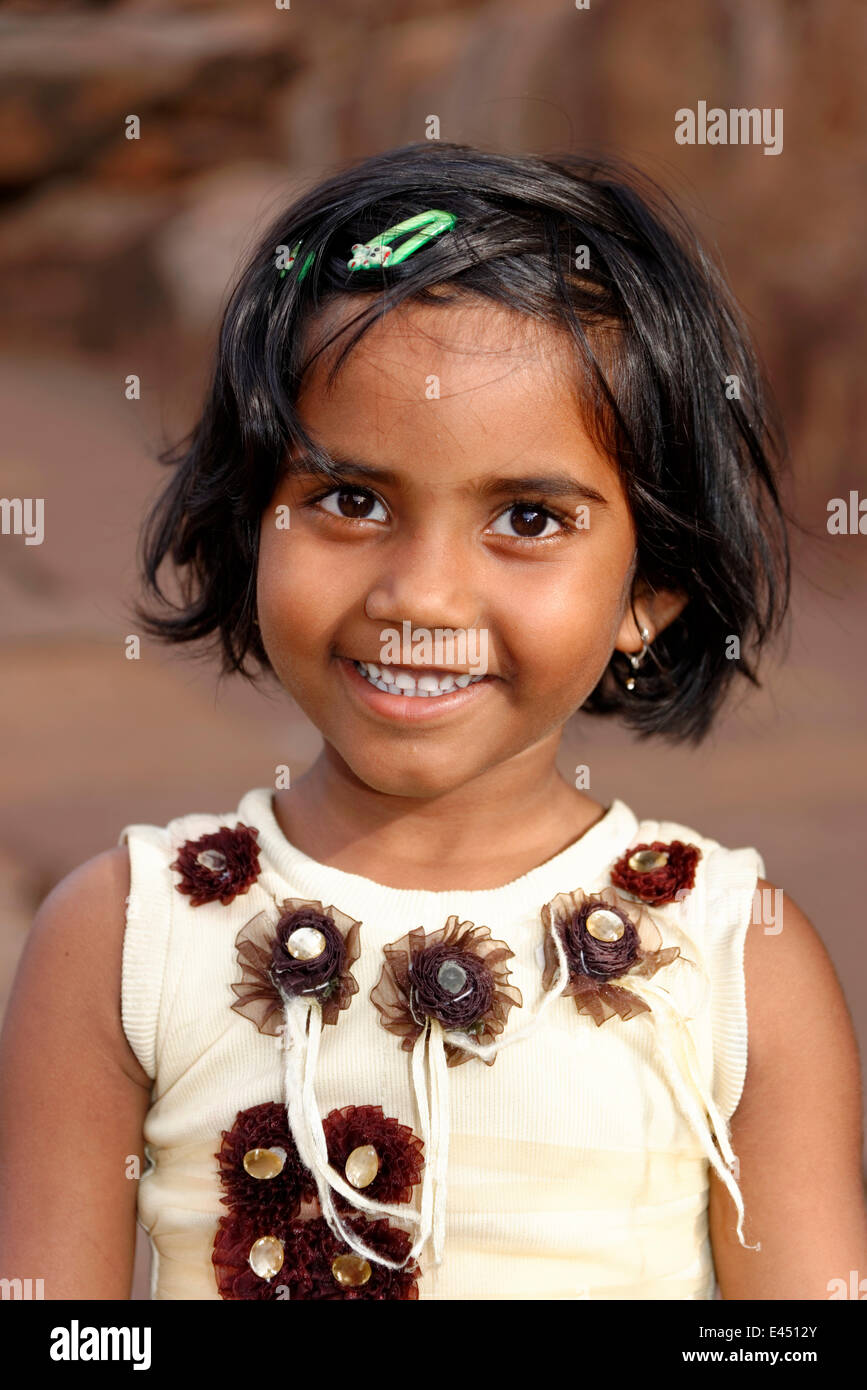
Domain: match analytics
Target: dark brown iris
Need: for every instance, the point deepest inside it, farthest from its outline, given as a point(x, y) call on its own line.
point(452, 985)
point(602, 960)
point(320, 973)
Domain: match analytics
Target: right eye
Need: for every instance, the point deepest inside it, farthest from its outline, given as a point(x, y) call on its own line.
point(350, 503)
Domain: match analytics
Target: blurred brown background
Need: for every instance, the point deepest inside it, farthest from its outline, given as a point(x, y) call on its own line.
point(115, 258)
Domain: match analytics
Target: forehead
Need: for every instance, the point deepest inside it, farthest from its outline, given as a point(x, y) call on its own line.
point(470, 343)
point(472, 387)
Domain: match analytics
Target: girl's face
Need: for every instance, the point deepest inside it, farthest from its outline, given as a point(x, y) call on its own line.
point(451, 410)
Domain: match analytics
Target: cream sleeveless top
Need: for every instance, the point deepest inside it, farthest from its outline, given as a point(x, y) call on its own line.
point(576, 1166)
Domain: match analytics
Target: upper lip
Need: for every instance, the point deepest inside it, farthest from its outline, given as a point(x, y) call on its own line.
point(402, 666)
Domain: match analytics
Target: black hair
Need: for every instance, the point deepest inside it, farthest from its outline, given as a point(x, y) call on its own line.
point(672, 388)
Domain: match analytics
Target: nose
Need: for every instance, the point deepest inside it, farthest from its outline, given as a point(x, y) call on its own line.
point(426, 581)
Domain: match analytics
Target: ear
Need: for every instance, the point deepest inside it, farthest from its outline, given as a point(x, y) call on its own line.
point(655, 609)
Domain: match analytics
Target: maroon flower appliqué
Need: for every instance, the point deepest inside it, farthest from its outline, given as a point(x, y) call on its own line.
point(301, 948)
point(603, 943)
point(218, 867)
point(657, 873)
point(260, 1169)
point(362, 1140)
point(312, 1263)
point(457, 975)
point(275, 1244)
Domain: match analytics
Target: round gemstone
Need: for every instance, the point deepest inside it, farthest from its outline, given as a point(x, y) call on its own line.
point(306, 943)
point(604, 925)
point(362, 1166)
point(212, 859)
point(266, 1256)
point(264, 1163)
point(351, 1271)
point(644, 860)
point(451, 977)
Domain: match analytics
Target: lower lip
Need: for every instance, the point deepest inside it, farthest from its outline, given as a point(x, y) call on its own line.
point(411, 709)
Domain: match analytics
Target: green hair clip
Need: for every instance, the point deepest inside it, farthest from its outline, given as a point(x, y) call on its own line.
point(368, 254)
point(291, 259)
point(376, 252)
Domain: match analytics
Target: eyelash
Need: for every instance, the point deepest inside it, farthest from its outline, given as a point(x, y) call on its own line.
point(524, 503)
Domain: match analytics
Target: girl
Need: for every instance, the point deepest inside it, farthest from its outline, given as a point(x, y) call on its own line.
point(485, 444)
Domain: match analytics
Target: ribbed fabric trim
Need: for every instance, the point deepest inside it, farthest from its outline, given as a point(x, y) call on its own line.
point(731, 881)
point(583, 859)
point(146, 938)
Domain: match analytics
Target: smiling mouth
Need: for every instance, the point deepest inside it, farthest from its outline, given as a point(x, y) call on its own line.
point(423, 683)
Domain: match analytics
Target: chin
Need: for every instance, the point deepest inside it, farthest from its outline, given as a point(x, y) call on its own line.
point(406, 776)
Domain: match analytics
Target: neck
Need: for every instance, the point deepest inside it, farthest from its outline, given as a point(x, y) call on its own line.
point(479, 835)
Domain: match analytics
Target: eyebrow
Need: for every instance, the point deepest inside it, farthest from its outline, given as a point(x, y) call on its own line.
point(552, 484)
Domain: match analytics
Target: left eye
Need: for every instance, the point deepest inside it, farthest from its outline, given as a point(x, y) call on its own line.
point(529, 515)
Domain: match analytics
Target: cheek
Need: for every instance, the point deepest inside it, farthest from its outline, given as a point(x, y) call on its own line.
point(286, 590)
point(566, 621)
point(303, 592)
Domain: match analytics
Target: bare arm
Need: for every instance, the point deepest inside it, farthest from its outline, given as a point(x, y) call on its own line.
point(797, 1129)
point(72, 1096)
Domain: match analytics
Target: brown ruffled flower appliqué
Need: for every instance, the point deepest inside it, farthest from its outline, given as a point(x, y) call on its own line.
point(307, 1262)
point(269, 1247)
point(657, 873)
point(218, 867)
point(377, 1154)
point(603, 943)
point(457, 975)
point(298, 948)
point(260, 1168)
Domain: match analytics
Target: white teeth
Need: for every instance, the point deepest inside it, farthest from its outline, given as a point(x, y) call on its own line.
point(402, 683)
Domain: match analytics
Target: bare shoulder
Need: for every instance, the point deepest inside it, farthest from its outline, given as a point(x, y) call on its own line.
point(70, 1082)
point(798, 1122)
point(77, 938)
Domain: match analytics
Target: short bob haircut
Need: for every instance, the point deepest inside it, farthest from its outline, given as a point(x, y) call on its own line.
point(682, 412)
